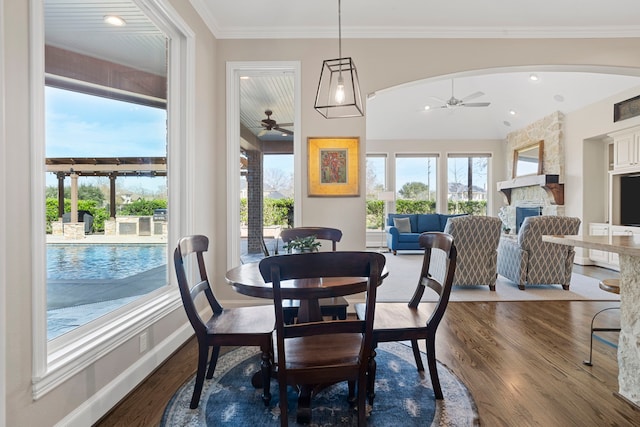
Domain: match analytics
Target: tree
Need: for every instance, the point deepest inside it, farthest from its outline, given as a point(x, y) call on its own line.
point(373, 185)
point(85, 192)
point(415, 190)
point(278, 180)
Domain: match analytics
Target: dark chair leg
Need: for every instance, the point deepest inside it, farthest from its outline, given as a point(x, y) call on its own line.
point(416, 355)
point(433, 368)
point(371, 377)
point(351, 396)
point(362, 406)
point(265, 367)
point(203, 354)
point(284, 410)
point(214, 360)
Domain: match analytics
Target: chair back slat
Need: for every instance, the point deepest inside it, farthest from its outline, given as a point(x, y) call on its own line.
point(322, 233)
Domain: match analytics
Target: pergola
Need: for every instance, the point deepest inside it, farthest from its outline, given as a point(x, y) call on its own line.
point(112, 167)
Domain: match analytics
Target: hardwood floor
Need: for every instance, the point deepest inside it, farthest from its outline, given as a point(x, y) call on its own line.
point(522, 362)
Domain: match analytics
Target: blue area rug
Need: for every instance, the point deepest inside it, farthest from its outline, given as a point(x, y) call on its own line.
point(403, 396)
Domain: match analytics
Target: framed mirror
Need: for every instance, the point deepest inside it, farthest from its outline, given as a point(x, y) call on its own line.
point(528, 160)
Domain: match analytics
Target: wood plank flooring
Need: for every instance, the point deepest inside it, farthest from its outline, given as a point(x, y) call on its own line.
point(522, 362)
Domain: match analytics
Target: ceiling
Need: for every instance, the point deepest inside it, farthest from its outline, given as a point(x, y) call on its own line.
point(395, 113)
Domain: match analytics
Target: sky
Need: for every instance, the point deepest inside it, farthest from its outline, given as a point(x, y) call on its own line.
point(80, 125)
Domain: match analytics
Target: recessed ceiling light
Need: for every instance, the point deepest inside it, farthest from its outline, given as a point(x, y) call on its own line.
point(244, 77)
point(115, 20)
point(513, 112)
point(558, 98)
point(427, 107)
point(533, 77)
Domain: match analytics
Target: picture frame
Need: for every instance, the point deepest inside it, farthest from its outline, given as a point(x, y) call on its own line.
point(333, 166)
point(626, 109)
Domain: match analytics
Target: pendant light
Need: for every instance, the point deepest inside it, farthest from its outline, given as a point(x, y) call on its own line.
point(338, 89)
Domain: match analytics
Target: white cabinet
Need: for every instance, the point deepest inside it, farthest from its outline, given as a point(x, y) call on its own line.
point(626, 150)
point(599, 230)
point(609, 259)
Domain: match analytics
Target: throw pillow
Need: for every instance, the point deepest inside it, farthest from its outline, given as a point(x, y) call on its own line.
point(402, 224)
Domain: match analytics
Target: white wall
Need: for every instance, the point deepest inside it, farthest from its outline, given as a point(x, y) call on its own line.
point(381, 64)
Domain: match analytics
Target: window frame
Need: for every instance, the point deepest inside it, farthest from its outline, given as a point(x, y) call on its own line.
point(56, 361)
point(467, 155)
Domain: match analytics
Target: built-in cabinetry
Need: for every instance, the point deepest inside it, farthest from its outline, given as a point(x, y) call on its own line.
point(624, 161)
point(626, 149)
point(609, 259)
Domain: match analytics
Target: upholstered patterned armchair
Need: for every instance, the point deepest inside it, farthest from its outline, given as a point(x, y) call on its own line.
point(529, 260)
point(476, 239)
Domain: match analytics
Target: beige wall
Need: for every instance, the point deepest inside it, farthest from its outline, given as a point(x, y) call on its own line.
point(381, 64)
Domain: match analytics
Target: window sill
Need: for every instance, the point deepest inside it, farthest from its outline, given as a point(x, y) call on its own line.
point(75, 355)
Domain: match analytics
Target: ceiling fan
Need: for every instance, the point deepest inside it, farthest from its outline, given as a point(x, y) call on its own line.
point(454, 102)
point(270, 124)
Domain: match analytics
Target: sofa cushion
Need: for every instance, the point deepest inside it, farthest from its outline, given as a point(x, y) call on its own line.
point(409, 238)
point(412, 219)
point(402, 224)
point(428, 222)
point(444, 218)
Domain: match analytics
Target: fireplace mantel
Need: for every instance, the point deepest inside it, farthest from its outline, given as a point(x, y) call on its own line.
point(550, 183)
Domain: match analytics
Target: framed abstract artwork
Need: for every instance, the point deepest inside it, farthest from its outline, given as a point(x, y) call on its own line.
point(333, 166)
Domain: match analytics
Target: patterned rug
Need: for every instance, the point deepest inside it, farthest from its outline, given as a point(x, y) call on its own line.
point(403, 396)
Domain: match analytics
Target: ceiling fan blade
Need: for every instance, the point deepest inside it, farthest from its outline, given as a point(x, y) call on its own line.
point(285, 124)
point(472, 96)
point(440, 100)
point(262, 132)
point(287, 131)
point(476, 104)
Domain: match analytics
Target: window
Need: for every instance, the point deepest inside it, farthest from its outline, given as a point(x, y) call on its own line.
point(467, 186)
point(376, 178)
point(114, 254)
point(416, 184)
point(57, 360)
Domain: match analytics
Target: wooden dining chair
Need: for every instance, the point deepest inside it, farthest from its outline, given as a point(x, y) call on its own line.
point(335, 307)
point(327, 351)
point(402, 322)
point(242, 326)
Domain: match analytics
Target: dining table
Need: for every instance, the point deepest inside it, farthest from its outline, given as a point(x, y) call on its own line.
point(247, 280)
point(628, 247)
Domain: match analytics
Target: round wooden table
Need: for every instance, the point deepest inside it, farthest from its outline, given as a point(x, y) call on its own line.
point(247, 280)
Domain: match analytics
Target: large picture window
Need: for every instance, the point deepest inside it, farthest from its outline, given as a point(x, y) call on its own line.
point(106, 163)
point(416, 184)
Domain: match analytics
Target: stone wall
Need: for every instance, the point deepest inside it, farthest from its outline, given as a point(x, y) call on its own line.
point(549, 130)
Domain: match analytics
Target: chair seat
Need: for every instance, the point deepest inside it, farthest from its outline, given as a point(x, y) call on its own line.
point(323, 350)
point(392, 316)
point(610, 285)
point(255, 320)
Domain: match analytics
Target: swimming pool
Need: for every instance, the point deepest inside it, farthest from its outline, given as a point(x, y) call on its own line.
point(102, 262)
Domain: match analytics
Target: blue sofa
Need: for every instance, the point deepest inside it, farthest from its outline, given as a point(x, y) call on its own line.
point(419, 224)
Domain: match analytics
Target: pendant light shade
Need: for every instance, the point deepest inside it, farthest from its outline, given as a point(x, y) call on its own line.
point(339, 89)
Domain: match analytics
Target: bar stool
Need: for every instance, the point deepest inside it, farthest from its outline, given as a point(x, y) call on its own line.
point(609, 285)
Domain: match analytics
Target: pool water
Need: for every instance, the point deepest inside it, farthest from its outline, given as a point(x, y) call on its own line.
point(102, 262)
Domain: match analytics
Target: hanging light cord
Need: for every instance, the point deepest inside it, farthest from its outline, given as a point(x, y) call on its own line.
point(339, 33)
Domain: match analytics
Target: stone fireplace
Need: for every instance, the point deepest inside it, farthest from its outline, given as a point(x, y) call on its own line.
point(545, 191)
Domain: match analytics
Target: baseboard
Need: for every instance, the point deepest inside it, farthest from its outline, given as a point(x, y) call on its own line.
point(105, 399)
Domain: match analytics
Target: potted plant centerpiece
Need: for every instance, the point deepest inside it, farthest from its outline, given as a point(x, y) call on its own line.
point(302, 244)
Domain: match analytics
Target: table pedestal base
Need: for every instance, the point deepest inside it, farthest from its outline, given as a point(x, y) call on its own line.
point(629, 341)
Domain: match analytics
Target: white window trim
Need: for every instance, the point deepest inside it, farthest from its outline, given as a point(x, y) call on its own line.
point(234, 71)
point(54, 364)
